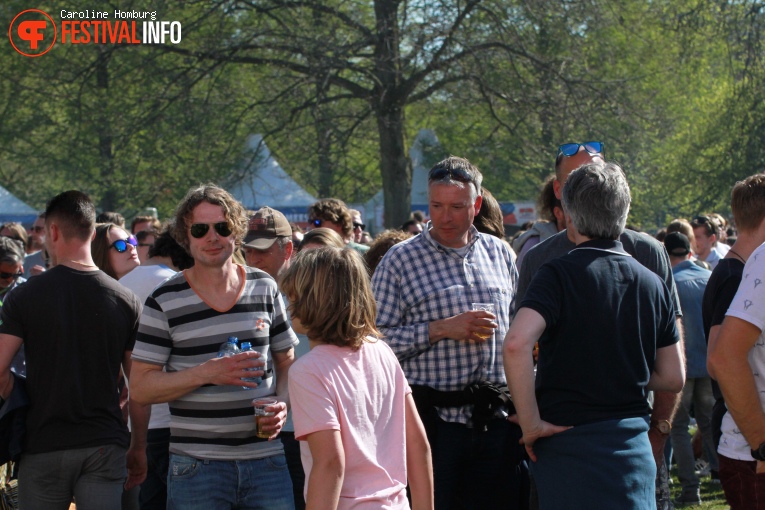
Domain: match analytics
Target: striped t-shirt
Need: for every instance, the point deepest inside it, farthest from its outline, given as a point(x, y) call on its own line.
point(178, 330)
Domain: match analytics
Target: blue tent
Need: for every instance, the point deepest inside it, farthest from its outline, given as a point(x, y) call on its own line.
point(13, 209)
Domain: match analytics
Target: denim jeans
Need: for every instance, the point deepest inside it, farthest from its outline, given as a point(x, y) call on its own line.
point(483, 470)
point(153, 494)
point(257, 484)
point(698, 394)
point(94, 476)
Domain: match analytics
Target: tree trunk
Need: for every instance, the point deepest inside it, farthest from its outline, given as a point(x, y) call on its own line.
point(395, 167)
point(108, 200)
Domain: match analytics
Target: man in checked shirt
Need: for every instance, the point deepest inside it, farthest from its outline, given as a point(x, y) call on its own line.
point(427, 318)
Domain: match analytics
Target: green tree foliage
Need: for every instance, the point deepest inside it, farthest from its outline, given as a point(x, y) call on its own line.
point(131, 125)
point(339, 89)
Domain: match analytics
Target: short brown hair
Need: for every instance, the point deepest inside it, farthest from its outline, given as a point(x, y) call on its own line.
point(747, 201)
point(235, 214)
point(334, 210)
point(18, 230)
point(684, 227)
point(330, 294)
point(322, 236)
point(154, 223)
point(380, 246)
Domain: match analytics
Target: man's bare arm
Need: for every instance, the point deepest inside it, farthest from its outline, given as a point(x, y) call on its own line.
point(150, 385)
point(729, 359)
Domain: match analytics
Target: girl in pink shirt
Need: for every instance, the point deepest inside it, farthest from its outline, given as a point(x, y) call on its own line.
point(361, 437)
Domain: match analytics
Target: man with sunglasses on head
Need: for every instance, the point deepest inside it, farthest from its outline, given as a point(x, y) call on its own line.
point(646, 250)
point(76, 439)
point(334, 214)
point(451, 354)
point(217, 459)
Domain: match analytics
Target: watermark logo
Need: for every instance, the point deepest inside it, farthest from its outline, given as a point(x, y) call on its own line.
point(32, 33)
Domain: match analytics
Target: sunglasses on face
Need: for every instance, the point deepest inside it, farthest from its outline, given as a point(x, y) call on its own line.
point(569, 149)
point(121, 245)
point(316, 223)
point(37, 229)
point(5, 276)
point(359, 225)
point(199, 230)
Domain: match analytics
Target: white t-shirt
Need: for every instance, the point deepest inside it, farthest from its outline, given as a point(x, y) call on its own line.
point(749, 306)
point(363, 395)
point(142, 280)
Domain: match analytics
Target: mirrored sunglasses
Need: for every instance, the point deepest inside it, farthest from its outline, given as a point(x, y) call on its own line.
point(199, 230)
point(569, 149)
point(121, 245)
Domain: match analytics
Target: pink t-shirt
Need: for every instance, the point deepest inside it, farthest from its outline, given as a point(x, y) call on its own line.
point(363, 395)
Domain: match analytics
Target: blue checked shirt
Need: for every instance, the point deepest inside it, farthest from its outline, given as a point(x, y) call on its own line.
point(420, 281)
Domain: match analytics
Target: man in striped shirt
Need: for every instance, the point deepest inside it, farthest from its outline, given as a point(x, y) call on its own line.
point(216, 459)
point(425, 288)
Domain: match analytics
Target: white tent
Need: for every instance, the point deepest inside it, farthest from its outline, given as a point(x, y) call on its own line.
point(267, 184)
point(13, 209)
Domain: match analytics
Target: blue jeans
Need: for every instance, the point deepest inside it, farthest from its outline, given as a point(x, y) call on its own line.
point(257, 484)
point(474, 469)
point(94, 476)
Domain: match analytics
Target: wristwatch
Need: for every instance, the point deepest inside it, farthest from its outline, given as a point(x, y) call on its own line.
point(663, 426)
point(759, 453)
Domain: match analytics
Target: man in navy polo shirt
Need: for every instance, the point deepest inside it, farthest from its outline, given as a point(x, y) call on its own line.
point(606, 331)
point(646, 250)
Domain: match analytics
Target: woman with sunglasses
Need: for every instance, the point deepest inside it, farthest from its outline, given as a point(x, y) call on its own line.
point(114, 250)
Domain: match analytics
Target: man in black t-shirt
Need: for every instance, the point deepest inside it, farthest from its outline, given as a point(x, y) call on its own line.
point(737, 475)
point(78, 328)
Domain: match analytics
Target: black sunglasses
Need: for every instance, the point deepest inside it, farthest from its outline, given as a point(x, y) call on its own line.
point(199, 230)
point(359, 225)
point(121, 245)
point(458, 174)
point(317, 223)
point(4, 275)
point(569, 149)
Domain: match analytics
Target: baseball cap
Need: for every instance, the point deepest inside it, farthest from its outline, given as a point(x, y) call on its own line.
point(677, 244)
point(265, 227)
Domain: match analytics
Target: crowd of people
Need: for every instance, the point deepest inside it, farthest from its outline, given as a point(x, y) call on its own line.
point(439, 365)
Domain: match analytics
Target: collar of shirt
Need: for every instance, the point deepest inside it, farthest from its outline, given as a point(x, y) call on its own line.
point(610, 245)
point(472, 239)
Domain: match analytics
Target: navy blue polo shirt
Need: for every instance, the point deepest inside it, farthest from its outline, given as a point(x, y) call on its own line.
point(605, 317)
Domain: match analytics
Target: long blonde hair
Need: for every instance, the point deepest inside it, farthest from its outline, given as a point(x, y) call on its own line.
point(330, 294)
